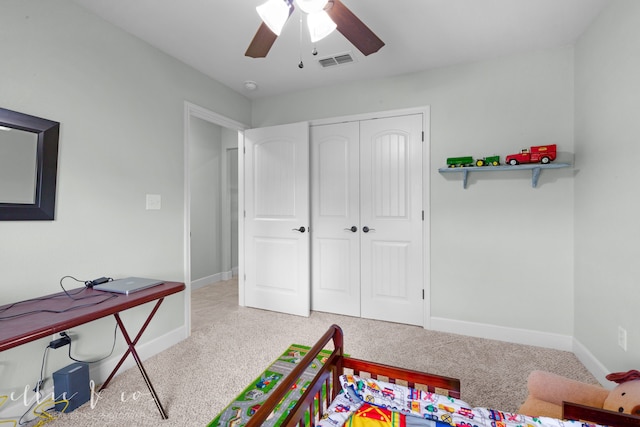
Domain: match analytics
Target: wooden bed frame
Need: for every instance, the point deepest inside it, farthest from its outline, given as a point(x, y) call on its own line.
point(313, 402)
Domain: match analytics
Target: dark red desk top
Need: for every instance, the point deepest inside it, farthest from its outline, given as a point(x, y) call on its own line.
point(65, 313)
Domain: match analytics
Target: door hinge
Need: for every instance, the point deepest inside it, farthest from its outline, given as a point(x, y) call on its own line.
point(423, 294)
point(422, 136)
point(423, 215)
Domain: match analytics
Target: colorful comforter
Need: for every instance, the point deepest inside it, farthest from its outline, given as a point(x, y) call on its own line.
point(365, 402)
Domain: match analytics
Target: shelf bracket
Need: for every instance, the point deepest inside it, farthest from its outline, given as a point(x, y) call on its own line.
point(535, 174)
point(465, 175)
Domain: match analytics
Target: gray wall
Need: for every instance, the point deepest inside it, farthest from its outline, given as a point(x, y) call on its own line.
point(206, 198)
point(121, 106)
point(500, 248)
point(607, 230)
point(214, 232)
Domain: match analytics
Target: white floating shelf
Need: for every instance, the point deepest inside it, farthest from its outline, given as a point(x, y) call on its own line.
point(535, 168)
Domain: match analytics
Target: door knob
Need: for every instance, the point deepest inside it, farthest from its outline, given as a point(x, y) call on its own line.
point(353, 229)
point(367, 229)
point(301, 229)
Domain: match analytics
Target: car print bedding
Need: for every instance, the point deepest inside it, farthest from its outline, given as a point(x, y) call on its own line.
point(366, 402)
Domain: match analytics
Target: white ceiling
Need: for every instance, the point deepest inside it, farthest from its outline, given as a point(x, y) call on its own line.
point(212, 36)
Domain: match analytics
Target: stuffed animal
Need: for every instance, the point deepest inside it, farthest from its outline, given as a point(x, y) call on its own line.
point(547, 391)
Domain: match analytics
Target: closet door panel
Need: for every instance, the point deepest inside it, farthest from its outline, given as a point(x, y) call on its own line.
point(391, 211)
point(277, 244)
point(335, 282)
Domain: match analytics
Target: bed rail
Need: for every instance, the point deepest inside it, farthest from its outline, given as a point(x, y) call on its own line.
point(326, 385)
point(334, 333)
point(574, 411)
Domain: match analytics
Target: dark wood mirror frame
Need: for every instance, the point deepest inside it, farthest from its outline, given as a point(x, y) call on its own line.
point(47, 132)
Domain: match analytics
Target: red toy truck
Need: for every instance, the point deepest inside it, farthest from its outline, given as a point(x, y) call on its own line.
point(540, 154)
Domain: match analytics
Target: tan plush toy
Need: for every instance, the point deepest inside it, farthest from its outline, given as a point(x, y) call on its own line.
point(547, 391)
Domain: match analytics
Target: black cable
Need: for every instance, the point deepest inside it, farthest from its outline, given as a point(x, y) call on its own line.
point(21, 420)
point(36, 389)
point(113, 346)
point(69, 295)
point(9, 306)
point(87, 283)
point(66, 292)
point(76, 307)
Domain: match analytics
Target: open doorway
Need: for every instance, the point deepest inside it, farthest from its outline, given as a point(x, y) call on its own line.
point(232, 186)
point(211, 198)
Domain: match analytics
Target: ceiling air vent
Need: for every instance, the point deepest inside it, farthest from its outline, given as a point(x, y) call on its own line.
point(339, 59)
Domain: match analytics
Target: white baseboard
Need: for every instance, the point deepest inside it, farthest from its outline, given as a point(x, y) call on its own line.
point(592, 364)
point(214, 278)
point(503, 333)
point(15, 406)
point(526, 337)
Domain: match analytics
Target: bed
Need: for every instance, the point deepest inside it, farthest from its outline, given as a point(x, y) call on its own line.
point(347, 387)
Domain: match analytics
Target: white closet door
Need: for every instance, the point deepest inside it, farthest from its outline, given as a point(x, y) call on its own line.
point(335, 218)
point(277, 242)
point(391, 219)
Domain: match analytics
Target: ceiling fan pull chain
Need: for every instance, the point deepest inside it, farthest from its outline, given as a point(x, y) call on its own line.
point(300, 64)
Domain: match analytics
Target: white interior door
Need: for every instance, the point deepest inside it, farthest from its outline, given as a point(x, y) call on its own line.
point(277, 241)
point(391, 215)
point(335, 218)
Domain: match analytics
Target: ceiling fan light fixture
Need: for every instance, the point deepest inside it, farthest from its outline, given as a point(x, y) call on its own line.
point(320, 25)
point(274, 13)
point(311, 6)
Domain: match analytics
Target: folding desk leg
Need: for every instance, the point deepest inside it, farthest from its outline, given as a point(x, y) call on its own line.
point(134, 353)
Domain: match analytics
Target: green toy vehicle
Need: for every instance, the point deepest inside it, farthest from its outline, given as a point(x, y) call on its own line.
point(488, 161)
point(459, 162)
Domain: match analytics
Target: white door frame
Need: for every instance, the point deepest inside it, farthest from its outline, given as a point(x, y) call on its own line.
point(426, 168)
point(193, 110)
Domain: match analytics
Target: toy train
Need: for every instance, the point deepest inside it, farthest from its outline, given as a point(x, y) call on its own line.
point(536, 154)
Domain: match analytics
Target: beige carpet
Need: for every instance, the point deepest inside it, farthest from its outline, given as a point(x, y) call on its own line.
point(230, 346)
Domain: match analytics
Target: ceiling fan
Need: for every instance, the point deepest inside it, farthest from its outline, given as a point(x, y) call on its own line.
point(322, 17)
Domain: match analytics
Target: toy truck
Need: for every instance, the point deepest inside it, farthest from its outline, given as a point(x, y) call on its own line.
point(538, 154)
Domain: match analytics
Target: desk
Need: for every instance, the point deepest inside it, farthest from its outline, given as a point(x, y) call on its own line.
point(64, 313)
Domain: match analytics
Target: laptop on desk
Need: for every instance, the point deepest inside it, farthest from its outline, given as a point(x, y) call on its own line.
point(128, 285)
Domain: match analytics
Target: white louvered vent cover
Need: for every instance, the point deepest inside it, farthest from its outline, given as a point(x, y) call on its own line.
point(339, 59)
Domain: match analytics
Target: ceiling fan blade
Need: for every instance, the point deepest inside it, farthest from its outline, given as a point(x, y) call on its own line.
point(261, 43)
point(353, 28)
point(265, 37)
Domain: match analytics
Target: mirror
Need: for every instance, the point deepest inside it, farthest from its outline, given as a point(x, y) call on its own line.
point(28, 166)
